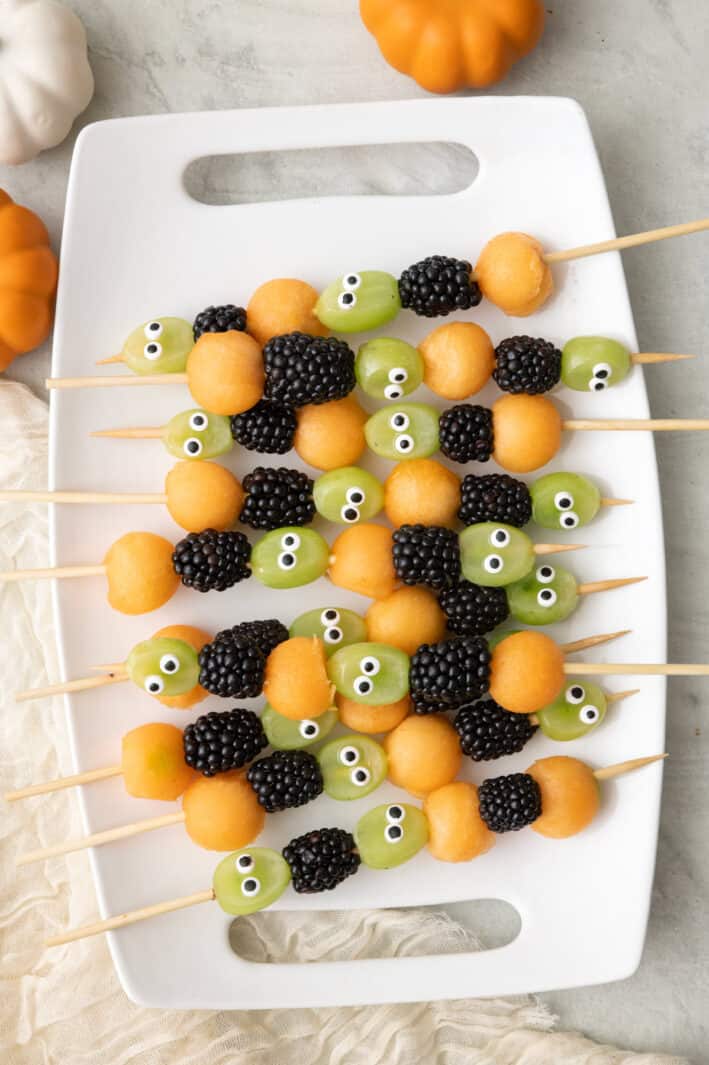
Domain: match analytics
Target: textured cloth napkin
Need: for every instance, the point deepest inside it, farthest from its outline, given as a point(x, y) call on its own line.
point(65, 1006)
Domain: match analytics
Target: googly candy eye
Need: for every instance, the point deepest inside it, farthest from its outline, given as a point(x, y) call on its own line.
point(251, 887)
point(290, 542)
point(154, 685)
point(370, 665)
point(333, 635)
point(350, 514)
point(393, 833)
point(563, 501)
point(330, 616)
point(500, 538)
point(192, 447)
point(575, 694)
point(569, 520)
point(398, 375)
point(352, 281)
point(244, 863)
point(399, 421)
point(349, 756)
point(152, 350)
point(597, 384)
point(287, 560)
point(153, 330)
point(404, 443)
point(360, 777)
point(589, 714)
point(309, 730)
point(546, 597)
point(169, 664)
point(355, 495)
point(393, 391)
point(546, 574)
point(493, 563)
point(603, 371)
point(363, 686)
point(198, 421)
point(346, 301)
point(395, 813)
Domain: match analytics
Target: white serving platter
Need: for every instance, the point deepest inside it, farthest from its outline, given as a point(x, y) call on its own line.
point(136, 246)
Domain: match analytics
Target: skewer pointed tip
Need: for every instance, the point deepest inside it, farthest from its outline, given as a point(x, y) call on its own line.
point(615, 697)
point(593, 641)
point(110, 359)
point(555, 549)
point(606, 586)
point(609, 772)
point(617, 502)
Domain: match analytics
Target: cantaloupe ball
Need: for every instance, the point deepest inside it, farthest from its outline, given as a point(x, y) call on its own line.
point(526, 672)
point(570, 796)
point(527, 432)
point(406, 619)
point(203, 495)
point(372, 719)
point(458, 359)
point(222, 813)
point(284, 305)
point(196, 638)
point(331, 435)
point(362, 561)
point(512, 274)
point(153, 762)
point(423, 492)
point(296, 683)
point(424, 753)
point(456, 831)
point(225, 372)
point(140, 573)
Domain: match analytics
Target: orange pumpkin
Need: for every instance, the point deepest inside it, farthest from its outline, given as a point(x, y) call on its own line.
point(28, 279)
point(452, 44)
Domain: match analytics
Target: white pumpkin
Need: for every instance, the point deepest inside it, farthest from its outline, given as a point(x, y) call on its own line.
point(45, 77)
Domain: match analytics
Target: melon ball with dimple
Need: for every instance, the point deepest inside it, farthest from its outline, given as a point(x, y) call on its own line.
point(457, 832)
point(283, 305)
point(203, 495)
point(196, 638)
point(407, 618)
point(225, 372)
point(512, 274)
point(331, 435)
point(527, 432)
point(424, 753)
point(570, 796)
point(140, 573)
point(361, 561)
point(153, 762)
point(372, 719)
point(296, 683)
point(422, 492)
point(458, 359)
point(526, 672)
point(222, 813)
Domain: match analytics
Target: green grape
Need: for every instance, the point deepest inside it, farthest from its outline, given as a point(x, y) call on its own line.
point(348, 495)
point(494, 555)
point(404, 431)
point(352, 766)
point(287, 735)
point(250, 879)
point(196, 434)
point(546, 595)
point(289, 557)
point(592, 364)
point(335, 626)
point(371, 673)
point(576, 711)
point(564, 501)
point(163, 666)
point(388, 369)
point(159, 346)
point(357, 302)
point(390, 835)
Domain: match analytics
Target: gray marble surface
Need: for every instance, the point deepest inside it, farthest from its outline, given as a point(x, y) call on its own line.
point(640, 70)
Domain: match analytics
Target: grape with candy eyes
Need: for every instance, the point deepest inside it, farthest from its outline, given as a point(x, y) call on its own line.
point(359, 301)
point(494, 555)
point(403, 431)
point(289, 557)
point(287, 735)
point(592, 364)
point(390, 835)
point(335, 626)
point(546, 595)
point(352, 766)
point(564, 501)
point(250, 879)
point(159, 346)
point(387, 368)
point(371, 673)
point(578, 709)
point(196, 434)
point(163, 666)
point(348, 495)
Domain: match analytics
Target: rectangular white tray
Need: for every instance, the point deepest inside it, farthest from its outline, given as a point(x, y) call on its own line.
point(136, 246)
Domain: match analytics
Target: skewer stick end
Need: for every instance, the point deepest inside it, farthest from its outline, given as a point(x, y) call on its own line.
point(609, 772)
point(555, 549)
point(111, 358)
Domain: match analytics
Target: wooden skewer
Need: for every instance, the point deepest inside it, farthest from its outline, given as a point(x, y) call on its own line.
point(592, 641)
point(61, 783)
point(60, 572)
point(555, 549)
point(80, 685)
point(111, 382)
point(615, 697)
point(616, 502)
point(631, 425)
point(11, 496)
point(632, 241)
point(609, 772)
point(111, 358)
point(110, 667)
point(148, 433)
point(605, 586)
point(96, 839)
point(640, 669)
point(124, 919)
point(646, 357)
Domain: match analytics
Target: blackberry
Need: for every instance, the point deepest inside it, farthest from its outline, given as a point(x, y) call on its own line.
point(494, 497)
point(426, 554)
point(322, 859)
point(449, 673)
point(267, 427)
point(438, 285)
point(211, 560)
point(285, 779)
point(472, 610)
point(487, 731)
point(232, 666)
point(466, 434)
point(303, 369)
point(277, 497)
point(217, 742)
point(527, 364)
point(219, 320)
point(264, 634)
point(509, 803)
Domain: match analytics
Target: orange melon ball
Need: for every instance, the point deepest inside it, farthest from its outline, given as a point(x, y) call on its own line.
point(458, 360)
point(512, 274)
point(225, 372)
point(570, 796)
point(422, 491)
point(526, 672)
point(362, 561)
point(527, 432)
point(153, 762)
point(373, 719)
point(203, 495)
point(424, 754)
point(331, 435)
point(140, 573)
point(196, 638)
point(284, 305)
point(296, 683)
point(406, 619)
point(222, 813)
point(456, 831)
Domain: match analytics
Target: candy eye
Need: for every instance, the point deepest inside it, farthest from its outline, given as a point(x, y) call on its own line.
point(499, 538)
point(355, 495)
point(493, 564)
point(192, 446)
point(546, 574)
point(169, 664)
point(360, 777)
point(291, 541)
point(286, 560)
point(575, 694)
point(404, 443)
point(153, 330)
point(588, 714)
point(250, 887)
point(547, 597)
point(397, 375)
point(330, 616)
point(393, 392)
point(569, 520)
point(244, 863)
point(199, 422)
point(563, 501)
point(309, 729)
point(399, 421)
point(350, 515)
point(393, 833)
point(363, 686)
point(152, 350)
point(346, 301)
point(154, 684)
point(395, 813)
point(332, 635)
point(370, 665)
point(351, 281)
point(603, 371)
point(597, 384)
point(349, 756)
